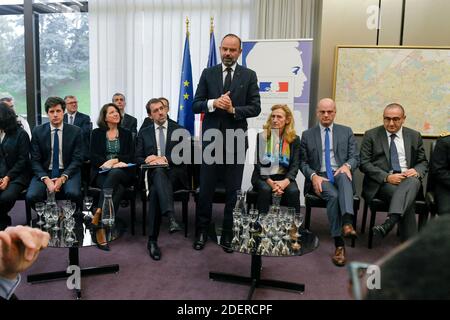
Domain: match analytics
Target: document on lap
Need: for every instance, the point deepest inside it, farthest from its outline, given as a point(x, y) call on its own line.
point(106, 170)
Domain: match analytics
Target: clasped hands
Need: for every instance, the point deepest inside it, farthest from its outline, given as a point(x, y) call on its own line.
point(397, 178)
point(55, 184)
point(278, 186)
point(224, 103)
point(113, 163)
point(155, 160)
point(317, 180)
point(4, 182)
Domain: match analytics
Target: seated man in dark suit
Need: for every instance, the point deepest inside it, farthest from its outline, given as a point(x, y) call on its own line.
point(56, 156)
point(440, 173)
point(328, 156)
point(154, 147)
point(148, 121)
point(128, 122)
point(394, 163)
point(81, 120)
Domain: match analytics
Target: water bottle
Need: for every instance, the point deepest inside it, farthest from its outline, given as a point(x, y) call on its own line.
point(108, 214)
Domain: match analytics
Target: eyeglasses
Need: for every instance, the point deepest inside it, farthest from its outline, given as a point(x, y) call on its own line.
point(72, 102)
point(395, 119)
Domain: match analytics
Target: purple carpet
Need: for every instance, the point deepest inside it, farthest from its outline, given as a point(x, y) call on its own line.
point(182, 273)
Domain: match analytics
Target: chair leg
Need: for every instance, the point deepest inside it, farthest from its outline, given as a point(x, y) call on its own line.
point(28, 213)
point(184, 206)
point(423, 217)
point(364, 218)
point(133, 213)
point(144, 215)
point(373, 215)
point(307, 217)
point(355, 218)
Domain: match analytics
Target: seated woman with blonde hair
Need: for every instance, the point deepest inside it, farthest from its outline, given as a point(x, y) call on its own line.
point(278, 160)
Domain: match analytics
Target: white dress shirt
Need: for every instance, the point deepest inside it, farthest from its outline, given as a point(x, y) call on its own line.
point(400, 145)
point(211, 107)
point(52, 137)
point(7, 287)
point(334, 165)
point(73, 115)
point(2, 135)
point(165, 126)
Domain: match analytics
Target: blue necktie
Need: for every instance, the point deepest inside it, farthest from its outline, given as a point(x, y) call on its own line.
point(328, 156)
point(55, 167)
point(395, 163)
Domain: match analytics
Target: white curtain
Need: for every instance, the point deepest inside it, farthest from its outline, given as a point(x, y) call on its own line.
point(136, 46)
point(285, 19)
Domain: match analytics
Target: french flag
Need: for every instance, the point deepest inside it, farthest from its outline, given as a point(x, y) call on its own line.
point(274, 87)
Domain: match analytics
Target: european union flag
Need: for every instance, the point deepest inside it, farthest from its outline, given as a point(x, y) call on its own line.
point(185, 115)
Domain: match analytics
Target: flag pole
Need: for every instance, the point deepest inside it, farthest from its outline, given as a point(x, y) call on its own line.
point(211, 29)
point(187, 26)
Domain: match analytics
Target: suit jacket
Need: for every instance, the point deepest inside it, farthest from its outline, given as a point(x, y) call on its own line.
point(244, 95)
point(344, 147)
point(294, 161)
point(375, 158)
point(440, 163)
point(15, 152)
point(83, 121)
point(72, 152)
point(98, 149)
point(146, 145)
point(130, 123)
point(147, 122)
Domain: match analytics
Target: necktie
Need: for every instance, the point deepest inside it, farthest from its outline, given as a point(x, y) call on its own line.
point(71, 120)
point(162, 141)
point(227, 83)
point(55, 167)
point(395, 163)
point(328, 156)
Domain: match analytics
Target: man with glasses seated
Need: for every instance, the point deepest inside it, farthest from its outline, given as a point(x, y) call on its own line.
point(394, 163)
point(56, 156)
point(81, 120)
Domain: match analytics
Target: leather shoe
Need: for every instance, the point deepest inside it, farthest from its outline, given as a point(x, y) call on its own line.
point(200, 241)
point(225, 242)
point(383, 229)
point(153, 250)
point(100, 239)
point(174, 226)
point(348, 231)
point(339, 257)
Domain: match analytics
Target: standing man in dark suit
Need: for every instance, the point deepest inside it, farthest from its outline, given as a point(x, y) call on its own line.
point(394, 163)
point(440, 173)
point(128, 122)
point(56, 156)
point(228, 94)
point(81, 120)
point(14, 162)
point(328, 158)
point(154, 147)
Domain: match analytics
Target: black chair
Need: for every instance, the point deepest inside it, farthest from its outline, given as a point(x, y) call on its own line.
point(429, 196)
point(313, 201)
point(377, 205)
point(182, 195)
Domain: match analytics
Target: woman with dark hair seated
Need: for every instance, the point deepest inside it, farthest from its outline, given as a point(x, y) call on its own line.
point(111, 149)
point(14, 162)
point(278, 160)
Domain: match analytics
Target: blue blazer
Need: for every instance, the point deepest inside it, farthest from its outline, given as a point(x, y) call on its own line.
point(83, 121)
point(72, 145)
point(15, 151)
point(244, 95)
point(344, 146)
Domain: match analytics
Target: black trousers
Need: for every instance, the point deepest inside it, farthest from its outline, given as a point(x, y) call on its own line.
point(8, 198)
point(162, 183)
point(209, 174)
point(291, 195)
point(442, 196)
point(117, 179)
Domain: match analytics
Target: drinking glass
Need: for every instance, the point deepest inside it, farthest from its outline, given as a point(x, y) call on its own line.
point(40, 207)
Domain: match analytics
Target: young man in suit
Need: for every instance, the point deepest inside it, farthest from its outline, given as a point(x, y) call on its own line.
point(128, 122)
point(228, 94)
point(81, 120)
point(394, 163)
point(154, 146)
point(328, 158)
point(56, 156)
